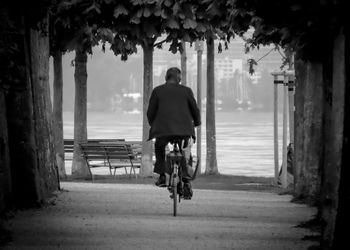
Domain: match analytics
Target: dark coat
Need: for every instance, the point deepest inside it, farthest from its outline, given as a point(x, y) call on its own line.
point(172, 111)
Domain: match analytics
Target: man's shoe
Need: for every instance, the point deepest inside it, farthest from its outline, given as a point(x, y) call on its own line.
point(187, 191)
point(161, 182)
point(180, 189)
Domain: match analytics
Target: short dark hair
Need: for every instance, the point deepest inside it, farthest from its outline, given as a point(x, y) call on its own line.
point(173, 73)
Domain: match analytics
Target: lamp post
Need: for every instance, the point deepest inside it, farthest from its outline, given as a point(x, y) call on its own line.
point(286, 82)
point(199, 49)
point(183, 64)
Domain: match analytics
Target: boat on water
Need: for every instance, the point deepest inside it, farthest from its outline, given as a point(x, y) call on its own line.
point(128, 103)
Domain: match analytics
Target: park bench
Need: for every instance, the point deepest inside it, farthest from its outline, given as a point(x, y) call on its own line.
point(119, 154)
point(69, 145)
point(135, 149)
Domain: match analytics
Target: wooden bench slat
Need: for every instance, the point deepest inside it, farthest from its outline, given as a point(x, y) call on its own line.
point(113, 154)
point(96, 159)
point(122, 157)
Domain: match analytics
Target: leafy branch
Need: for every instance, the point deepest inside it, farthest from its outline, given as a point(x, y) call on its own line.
point(252, 62)
point(286, 60)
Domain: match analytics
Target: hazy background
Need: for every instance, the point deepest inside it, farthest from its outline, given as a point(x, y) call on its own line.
point(109, 78)
point(244, 102)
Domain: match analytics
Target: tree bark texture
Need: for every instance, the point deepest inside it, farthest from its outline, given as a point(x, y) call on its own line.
point(57, 112)
point(328, 190)
point(22, 142)
point(322, 139)
point(313, 130)
point(5, 172)
point(183, 64)
point(47, 167)
point(343, 216)
point(310, 132)
point(147, 161)
point(335, 202)
point(211, 162)
point(79, 167)
point(29, 117)
point(300, 81)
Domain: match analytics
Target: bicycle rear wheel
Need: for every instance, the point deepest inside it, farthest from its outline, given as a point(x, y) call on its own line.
point(174, 198)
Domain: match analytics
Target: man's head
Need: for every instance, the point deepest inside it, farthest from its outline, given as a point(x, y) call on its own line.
point(173, 75)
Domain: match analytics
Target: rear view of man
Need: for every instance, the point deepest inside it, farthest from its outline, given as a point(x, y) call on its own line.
point(172, 113)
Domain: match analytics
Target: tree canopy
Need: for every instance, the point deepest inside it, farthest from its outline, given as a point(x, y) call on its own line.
point(69, 27)
point(14, 19)
point(126, 24)
point(142, 22)
point(306, 26)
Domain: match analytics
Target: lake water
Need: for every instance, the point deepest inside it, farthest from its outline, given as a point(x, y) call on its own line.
point(244, 139)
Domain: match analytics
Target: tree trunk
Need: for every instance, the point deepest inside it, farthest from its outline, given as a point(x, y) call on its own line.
point(313, 130)
point(147, 162)
point(57, 111)
point(335, 199)
point(343, 216)
point(47, 167)
point(183, 64)
point(327, 171)
point(33, 174)
point(309, 130)
point(22, 142)
point(5, 172)
point(211, 163)
point(79, 167)
point(300, 82)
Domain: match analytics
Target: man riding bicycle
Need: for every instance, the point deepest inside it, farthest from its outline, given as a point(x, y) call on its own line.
point(172, 114)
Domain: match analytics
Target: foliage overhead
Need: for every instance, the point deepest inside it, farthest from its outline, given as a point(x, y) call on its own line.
point(69, 27)
point(15, 18)
point(306, 26)
point(142, 22)
point(128, 23)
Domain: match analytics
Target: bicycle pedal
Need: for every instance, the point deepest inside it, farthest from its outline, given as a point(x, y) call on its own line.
point(181, 196)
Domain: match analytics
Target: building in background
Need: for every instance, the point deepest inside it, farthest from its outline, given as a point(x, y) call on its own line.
point(110, 79)
point(236, 89)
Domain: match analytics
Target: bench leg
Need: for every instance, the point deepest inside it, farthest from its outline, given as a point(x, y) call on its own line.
point(135, 168)
point(92, 176)
point(132, 169)
point(134, 172)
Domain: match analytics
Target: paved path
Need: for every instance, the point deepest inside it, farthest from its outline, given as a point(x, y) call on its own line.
point(122, 216)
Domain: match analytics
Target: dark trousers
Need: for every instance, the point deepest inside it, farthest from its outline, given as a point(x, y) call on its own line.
point(159, 149)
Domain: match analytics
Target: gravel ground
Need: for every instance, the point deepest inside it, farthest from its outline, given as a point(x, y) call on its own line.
point(127, 216)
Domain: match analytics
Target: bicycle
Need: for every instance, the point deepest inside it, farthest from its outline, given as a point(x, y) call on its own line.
point(176, 183)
